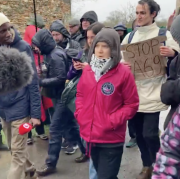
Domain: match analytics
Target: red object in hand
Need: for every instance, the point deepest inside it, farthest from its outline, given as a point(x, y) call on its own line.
point(25, 128)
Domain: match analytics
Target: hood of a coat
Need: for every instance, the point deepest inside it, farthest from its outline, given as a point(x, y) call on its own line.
point(16, 36)
point(59, 27)
point(91, 16)
point(111, 37)
point(44, 41)
point(40, 21)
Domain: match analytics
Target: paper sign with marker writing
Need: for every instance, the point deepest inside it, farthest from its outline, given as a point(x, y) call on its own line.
point(145, 59)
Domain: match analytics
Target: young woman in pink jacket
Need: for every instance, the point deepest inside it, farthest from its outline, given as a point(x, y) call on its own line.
point(106, 98)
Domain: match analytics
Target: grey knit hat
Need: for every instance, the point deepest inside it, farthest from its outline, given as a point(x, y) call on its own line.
point(74, 22)
point(175, 29)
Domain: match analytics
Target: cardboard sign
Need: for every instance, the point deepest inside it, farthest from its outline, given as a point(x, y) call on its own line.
point(145, 59)
point(177, 7)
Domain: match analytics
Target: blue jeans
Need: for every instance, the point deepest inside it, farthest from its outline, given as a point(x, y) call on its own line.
point(92, 170)
point(63, 124)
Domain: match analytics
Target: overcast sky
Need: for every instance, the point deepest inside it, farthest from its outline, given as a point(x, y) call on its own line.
point(104, 7)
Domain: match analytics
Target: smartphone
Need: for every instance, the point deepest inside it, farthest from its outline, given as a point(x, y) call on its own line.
point(79, 56)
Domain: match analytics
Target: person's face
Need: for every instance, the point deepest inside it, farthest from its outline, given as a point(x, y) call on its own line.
point(57, 36)
point(6, 36)
point(120, 32)
point(102, 50)
point(85, 24)
point(90, 37)
point(36, 49)
point(143, 15)
point(73, 29)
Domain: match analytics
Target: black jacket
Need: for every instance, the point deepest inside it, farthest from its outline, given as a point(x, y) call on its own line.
point(170, 91)
point(68, 42)
point(74, 36)
point(26, 101)
point(91, 16)
point(55, 61)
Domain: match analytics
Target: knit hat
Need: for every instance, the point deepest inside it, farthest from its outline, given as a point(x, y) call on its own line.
point(74, 22)
point(175, 29)
point(120, 26)
point(3, 19)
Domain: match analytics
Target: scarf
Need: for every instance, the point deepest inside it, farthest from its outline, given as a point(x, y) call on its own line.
point(98, 66)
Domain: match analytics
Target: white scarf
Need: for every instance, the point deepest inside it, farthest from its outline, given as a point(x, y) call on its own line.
point(97, 66)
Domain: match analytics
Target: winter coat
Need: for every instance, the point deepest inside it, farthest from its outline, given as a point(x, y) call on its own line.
point(72, 71)
point(56, 64)
point(74, 36)
point(149, 89)
point(91, 16)
point(68, 42)
point(28, 35)
point(170, 90)
point(168, 158)
point(69, 94)
point(25, 102)
point(103, 107)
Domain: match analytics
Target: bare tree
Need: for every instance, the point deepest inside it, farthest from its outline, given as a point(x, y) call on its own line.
point(76, 6)
point(126, 15)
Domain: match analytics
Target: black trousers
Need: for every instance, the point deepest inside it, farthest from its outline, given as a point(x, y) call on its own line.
point(63, 124)
point(107, 161)
point(131, 128)
point(39, 129)
point(147, 136)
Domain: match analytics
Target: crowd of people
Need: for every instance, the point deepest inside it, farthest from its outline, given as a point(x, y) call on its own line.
point(84, 88)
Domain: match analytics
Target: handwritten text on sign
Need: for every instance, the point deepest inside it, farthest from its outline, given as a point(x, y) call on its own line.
point(145, 59)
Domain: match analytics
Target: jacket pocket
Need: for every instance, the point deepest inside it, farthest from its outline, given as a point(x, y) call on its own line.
point(110, 125)
point(115, 122)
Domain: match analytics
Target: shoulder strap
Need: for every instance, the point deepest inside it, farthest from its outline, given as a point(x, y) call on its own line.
point(131, 35)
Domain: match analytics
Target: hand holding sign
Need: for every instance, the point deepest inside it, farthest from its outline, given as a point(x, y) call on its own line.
point(145, 59)
point(166, 51)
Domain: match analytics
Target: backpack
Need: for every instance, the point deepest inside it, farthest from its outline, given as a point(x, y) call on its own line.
point(162, 32)
point(68, 96)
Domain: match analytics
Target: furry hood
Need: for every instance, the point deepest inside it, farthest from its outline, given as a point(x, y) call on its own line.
point(111, 37)
point(16, 70)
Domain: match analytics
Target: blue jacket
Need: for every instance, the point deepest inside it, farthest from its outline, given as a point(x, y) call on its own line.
point(26, 101)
